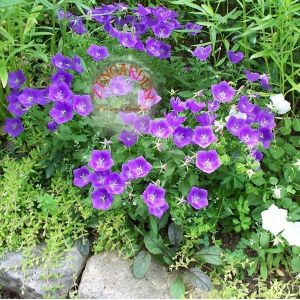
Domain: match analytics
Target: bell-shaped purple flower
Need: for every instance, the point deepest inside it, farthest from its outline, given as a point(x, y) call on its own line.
point(153, 47)
point(141, 124)
point(83, 105)
point(235, 57)
point(266, 119)
point(16, 79)
point(162, 29)
point(77, 26)
point(194, 28)
point(158, 211)
point(127, 39)
point(61, 62)
point(98, 178)
point(252, 117)
point(257, 155)
point(52, 126)
point(128, 138)
point(160, 128)
point(249, 136)
point(61, 112)
point(208, 161)
point(177, 105)
point(194, 106)
point(136, 168)
point(204, 136)
point(76, 64)
point(264, 82)
point(205, 119)
point(81, 177)
point(223, 92)
point(244, 106)
point(174, 119)
point(251, 76)
point(154, 196)
point(115, 184)
point(234, 125)
point(101, 199)
point(139, 46)
point(28, 97)
point(62, 76)
point(265, 136)
point(101, 160)
point(161, 14)
point(182, 136)
point(197, 197)
point(97, 52)
point(213, 106)
point(60, 92)
point(43, 96)
point(14, 105)
point(164, 51)
point(13, 127)
point(202, 53)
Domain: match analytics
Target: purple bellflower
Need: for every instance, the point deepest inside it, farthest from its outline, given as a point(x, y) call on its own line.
point(208, 161)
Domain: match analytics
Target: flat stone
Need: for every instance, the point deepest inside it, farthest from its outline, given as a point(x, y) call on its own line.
point(107, 276)
point(32, 282)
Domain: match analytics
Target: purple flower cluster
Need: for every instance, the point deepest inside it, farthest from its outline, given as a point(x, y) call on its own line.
point(159, 20)
point(74, 22)
point(105, 182)
point(64, 102)
point(129, 28)
point(262, 78)
point(256, 128)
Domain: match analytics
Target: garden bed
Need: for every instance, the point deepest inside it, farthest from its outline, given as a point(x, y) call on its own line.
point(163, 139)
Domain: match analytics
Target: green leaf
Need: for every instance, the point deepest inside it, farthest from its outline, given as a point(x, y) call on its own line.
point(3, 73)
point(154, 245)
point(263, 270)
point(141, 264)
point(198, 279)
point(210, 255)
point(177, 289)
point(264, 239)
point(258, 180)
point(273, 180)
point(295, 263)
point(6, 34)
point(276, 152)
point(296, 124)
point(153, 226)
point(175, 234)
point(32, 18)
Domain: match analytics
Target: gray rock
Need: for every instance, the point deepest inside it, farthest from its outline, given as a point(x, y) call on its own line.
point(37, 281)
point(107, 276)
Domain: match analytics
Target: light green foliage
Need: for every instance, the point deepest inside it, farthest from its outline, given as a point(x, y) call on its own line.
point(114, 232)
point(30, 213)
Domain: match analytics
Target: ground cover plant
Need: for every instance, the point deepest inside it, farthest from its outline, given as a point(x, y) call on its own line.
point(196, 166)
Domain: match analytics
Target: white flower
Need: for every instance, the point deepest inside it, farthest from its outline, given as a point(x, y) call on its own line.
point(292, 233)
point(274, 219)
point(281, 105)
point(277, 192)
point(219, 125)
